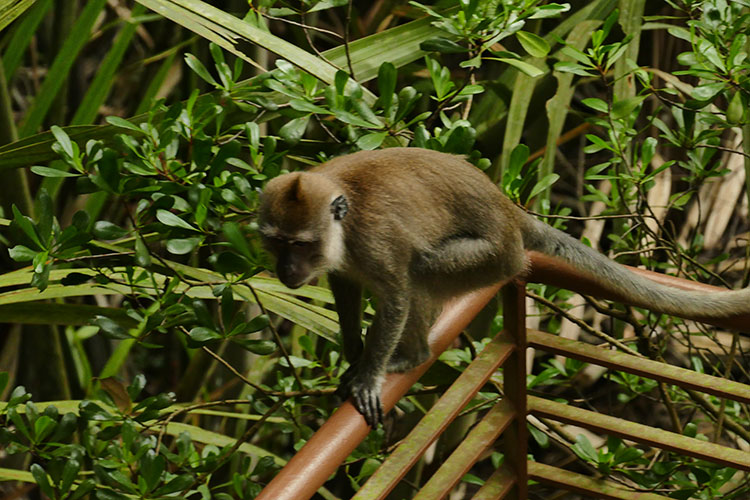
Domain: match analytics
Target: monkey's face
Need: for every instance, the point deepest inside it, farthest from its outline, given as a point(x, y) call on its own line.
point(300, 220)
point(298, 261)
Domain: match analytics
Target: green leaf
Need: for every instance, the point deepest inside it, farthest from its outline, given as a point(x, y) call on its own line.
point(52, 172)
point(203, 334)
point(142, 255)
point(371, 141)
point(571, 67)
point(199, 69)
point(234, 235)
point(707, 92)
point(152, 467)
point(260, 347)
point(169, 219)
point(41, 479)
point(387, 75)
point(549, 10)
point(105, 230)
point(522, 66)
point(648, 149)
point(62, 138)
point(534, 45)
point(116, 121)
point(43, 427)
point(69, 474)
point(623, 108)
point(27, 226)
point(442, 45)
point(585, 450)
point(543, 184)
point(306, 106)
point(20, 253)
point(257, 323)
point(596, 104)
point(293, 130)
point(182, 246)
point(110, 328)
point(179, 483)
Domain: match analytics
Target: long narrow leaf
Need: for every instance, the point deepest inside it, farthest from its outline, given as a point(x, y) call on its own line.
point(60, 68)
point(22, 36)
point(399, 45)
point(11, 10)
point(557, 106)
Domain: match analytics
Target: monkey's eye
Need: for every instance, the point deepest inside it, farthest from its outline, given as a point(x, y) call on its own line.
point(301, 244)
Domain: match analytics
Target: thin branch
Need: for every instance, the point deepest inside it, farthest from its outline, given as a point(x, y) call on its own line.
point(275, 334)
point(583, 325)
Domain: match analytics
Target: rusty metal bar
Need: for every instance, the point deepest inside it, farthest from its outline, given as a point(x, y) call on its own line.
point(570, 481)
point(656, 370)
point(436, 420)
point(640, 433)
point(552, 271)
point(515, 439)
point(481, 437)
point(314, 463)
point(497, 485)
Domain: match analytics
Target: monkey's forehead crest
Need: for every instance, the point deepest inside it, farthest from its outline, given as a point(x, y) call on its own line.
point(296, 201)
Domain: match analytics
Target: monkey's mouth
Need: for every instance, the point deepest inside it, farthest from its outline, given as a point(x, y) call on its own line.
point(295, 282)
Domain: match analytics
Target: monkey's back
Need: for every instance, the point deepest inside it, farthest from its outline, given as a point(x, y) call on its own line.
point(406, 201)
point(410, 183)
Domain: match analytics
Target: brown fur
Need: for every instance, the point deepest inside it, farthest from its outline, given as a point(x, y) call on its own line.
point(423, 226)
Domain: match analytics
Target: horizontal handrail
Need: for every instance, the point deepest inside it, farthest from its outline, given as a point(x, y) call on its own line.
point(553, 271)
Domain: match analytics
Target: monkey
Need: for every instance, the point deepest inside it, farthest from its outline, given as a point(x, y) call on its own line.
point(416, 227)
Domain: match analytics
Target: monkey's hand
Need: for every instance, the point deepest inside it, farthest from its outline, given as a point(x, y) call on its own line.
point(364, 389)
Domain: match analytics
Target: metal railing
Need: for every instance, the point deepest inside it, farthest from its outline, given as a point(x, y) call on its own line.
point(314, 463)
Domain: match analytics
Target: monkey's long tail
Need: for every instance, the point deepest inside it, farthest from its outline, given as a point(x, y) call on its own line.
point(631, 286)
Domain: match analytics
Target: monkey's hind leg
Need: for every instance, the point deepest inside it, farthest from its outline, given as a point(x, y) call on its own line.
point(464, 263)
point(412, 349)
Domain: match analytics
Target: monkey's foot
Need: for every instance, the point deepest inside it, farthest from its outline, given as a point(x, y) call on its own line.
point(364, 390)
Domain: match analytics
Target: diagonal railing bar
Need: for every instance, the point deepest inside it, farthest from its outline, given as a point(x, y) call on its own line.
point(314, 463)
point(443, 412)
point(652, 436)
point(570, 481)
point(497, 486)
point(337, 438)
point(643, 367)
point(481, 437)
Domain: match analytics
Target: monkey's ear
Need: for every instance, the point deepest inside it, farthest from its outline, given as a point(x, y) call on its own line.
point(339, 207)
point(295, 189)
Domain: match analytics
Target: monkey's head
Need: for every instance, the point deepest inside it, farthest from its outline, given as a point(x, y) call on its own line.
point(300, 221)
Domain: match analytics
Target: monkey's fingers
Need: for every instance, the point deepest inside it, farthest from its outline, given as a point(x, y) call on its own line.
point(367, 402)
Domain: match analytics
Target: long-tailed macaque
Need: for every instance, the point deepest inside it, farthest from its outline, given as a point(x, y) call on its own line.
point(416, 227)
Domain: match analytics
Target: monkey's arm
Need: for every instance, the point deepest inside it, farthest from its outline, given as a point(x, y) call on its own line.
point(363, 380)
point(348, 296)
